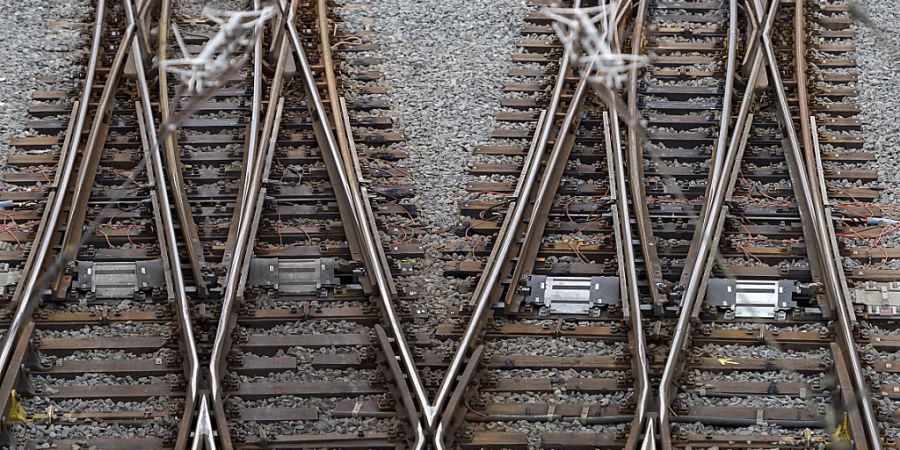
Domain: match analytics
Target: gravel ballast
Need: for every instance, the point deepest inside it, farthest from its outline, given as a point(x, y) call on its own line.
point(444, 62)
point(40, 37)
point(879, 92)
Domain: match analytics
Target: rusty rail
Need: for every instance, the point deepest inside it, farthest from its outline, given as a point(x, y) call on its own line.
point(39, 259)
point(642, 432)
point(635, 166)
point(166, 230)
point(249, 213)
point(499, 260)
point(706, 240)
point(173, 159)
point(811, 206)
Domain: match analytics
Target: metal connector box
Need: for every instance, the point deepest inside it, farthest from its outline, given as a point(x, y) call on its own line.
point(752, 298)
point(571, 295)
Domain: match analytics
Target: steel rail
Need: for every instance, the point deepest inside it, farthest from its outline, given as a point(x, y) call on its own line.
point(509, 230)
point(628, 270)
point(803, 91)
point(186, 419)
point(398, 388)
point(621, 14)
point(725, 120)
point(830, 254)
point(170, 241)
point(169, 144)
point(256, 108)
point(143, 35)
point(487, 284)
point(90, 159)
point(499, 253)
point(550, 177)
point(635, 165)
point(821, 241)
point(445, 426)
point(628, 266)
point(358, 225)
point(532, 158)
point(342, 180)
point(337, 169)
point(716, 175)
point(249, 207)
point(251, 150)
point(268, 137)
point(754, 11)
point(341, 130)
point(28, 292)
point(809, 135)
point(711, 225)
point(384, 277)
point(857, 428)
point(218, 407)
point(542, 200)
point(361, 227)
point(9, 378)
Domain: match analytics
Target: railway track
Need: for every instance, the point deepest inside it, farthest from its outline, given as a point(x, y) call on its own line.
point(737, 376)
point(285, 289)
point(309, 326)
point(701, 263)
point(577, 387)
point(719, 414)
point(103, 359)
